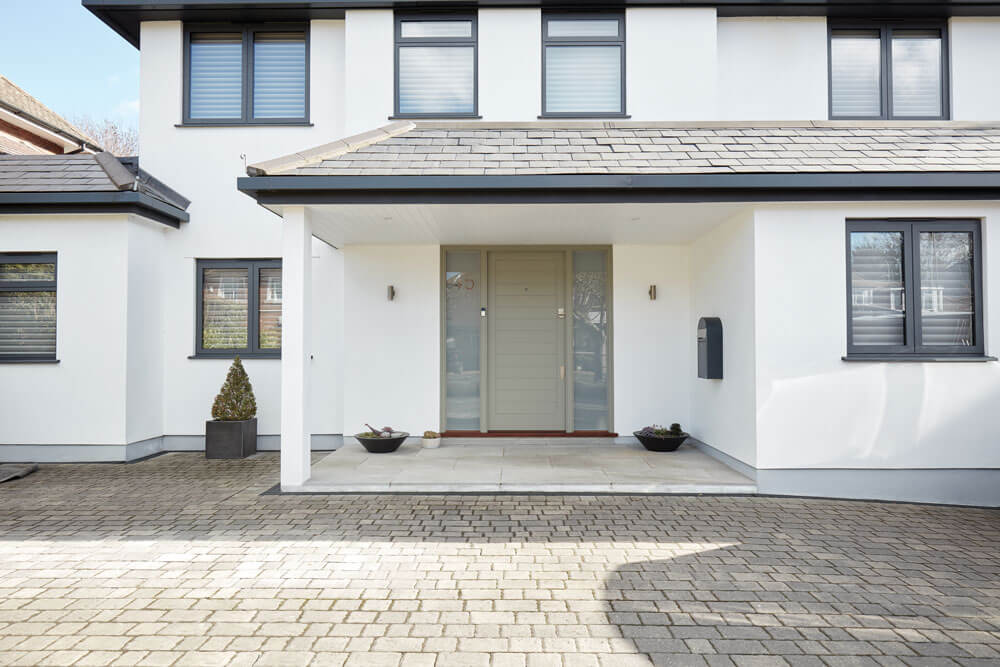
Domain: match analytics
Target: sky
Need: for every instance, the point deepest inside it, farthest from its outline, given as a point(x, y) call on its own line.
point(64, 56)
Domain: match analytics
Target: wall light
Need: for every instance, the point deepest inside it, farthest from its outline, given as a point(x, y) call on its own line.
point(652, 292)
point(391, 292)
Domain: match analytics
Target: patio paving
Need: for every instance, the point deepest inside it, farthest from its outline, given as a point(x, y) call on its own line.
point(525, 465)
point(181, 561)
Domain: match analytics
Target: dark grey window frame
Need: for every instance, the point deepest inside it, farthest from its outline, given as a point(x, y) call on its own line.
point(253, 350)
point(584, 41)
point(885, 29)
point(248, 30)
point(400, 42)
point(913, 349)
point(32, 286)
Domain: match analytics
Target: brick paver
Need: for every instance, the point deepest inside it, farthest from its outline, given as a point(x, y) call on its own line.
point(180, 561)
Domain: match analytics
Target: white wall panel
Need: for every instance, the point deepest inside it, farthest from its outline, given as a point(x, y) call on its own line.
point(653, 362)
point(510, 69)
point(392, 348)
point(815, 410)
point(773, 69)
point(671, 64)
point(975, 52)
point(722, 280)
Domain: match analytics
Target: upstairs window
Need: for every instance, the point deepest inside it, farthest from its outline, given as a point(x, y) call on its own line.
point(239, 307)
point(436, 66)
point(915, 288)
point(27, 307)
point(248, 75)
point(583, 71)
point(888, 72)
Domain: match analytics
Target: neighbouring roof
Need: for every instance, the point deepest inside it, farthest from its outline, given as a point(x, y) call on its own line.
point(438, 149)
point(17, 100)
point(86, 182)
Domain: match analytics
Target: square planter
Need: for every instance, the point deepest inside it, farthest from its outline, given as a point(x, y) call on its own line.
point(230, 440)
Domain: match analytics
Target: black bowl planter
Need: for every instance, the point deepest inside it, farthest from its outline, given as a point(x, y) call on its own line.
point(661, 443)
point(230, 440)
point(383, 445)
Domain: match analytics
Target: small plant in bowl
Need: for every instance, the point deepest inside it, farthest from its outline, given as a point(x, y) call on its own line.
point(432, 439)
point(659, 439)
point(381, 440)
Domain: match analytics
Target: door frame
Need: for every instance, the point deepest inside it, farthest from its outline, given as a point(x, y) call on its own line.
point(484, 250)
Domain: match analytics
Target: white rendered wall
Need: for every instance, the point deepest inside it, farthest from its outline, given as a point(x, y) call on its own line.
point(671, 64)
point(145, 284)
point(815, 410)
point(392, 373)
point(203, 164)
point(975, 52)
point(369, 69)
point(722, 285)
point(510, 64)
point(81, 400)
point(653, 365)
point(773, 69)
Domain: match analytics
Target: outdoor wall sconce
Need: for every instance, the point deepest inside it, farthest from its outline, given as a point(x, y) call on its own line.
point(391, 293)
point(652, 292)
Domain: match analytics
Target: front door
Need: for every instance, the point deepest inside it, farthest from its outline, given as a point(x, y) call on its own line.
point(526, 341)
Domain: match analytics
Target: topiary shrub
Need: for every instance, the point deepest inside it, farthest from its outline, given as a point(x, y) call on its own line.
point(235, 401)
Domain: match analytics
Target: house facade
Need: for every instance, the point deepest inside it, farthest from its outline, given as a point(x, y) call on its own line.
point(482, 219)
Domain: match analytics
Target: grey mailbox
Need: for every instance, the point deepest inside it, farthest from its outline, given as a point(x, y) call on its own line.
point(710, 348)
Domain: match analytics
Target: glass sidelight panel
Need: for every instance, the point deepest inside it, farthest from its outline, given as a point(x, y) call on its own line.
point(463, 324)
point(878, 300)
point(590, 340)
point(947, 299)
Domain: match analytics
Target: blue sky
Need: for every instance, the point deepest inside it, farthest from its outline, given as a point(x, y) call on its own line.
point(77, 66)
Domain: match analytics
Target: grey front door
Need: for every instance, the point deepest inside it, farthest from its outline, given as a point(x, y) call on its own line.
point(526, 341)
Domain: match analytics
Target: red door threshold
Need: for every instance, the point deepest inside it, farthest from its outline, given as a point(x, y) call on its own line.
point(529, 434)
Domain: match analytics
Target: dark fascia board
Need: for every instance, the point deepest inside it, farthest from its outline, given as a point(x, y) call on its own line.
point(137, 203)
point(124, 16)
point(620, 188)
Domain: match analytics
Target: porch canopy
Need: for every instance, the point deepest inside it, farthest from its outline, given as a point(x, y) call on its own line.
point(585, 183)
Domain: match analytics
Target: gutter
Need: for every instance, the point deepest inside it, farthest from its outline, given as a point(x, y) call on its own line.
point(80, 144)
point(126, 201)
point(612, 188)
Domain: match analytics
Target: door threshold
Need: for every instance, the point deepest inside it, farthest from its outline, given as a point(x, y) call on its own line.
point(528, 434)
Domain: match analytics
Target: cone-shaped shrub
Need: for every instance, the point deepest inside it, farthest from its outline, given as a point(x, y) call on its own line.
point(235, 402)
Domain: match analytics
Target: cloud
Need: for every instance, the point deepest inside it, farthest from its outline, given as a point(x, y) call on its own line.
point(127, 108)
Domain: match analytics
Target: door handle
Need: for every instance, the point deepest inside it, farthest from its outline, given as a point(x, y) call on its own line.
point(562, 372)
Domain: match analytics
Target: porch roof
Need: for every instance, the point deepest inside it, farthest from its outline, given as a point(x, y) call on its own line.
point(407, 148)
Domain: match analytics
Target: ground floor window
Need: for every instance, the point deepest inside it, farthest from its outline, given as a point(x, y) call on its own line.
point(239, 307)
point(914, 287)
point(27, 306)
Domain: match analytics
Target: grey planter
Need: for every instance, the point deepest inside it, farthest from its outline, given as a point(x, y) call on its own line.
point(230, 440)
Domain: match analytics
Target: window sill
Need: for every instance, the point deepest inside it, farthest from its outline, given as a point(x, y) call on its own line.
point(29, 361)
point(920, 358)
point(436, 116)
point(582, 116)
point(290, 123)
point(241, 355)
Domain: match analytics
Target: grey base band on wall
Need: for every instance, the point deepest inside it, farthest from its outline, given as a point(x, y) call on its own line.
point(951, 486)
point(59, 453)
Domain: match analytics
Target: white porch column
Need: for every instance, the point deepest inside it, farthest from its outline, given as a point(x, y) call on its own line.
point(296, 346)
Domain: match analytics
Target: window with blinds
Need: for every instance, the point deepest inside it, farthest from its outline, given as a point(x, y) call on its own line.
point(246, 76)
point(914, 288)
point(887, 72)
point(583, 70)
point(239, 307)
point(436, 65)
point(27, 307)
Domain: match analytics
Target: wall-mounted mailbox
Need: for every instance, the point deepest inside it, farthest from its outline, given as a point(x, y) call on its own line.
point(710, 348)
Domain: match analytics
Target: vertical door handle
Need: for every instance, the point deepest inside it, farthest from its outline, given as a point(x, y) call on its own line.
point(562, 372)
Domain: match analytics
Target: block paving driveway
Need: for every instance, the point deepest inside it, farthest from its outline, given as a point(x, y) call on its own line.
point(180, 561)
